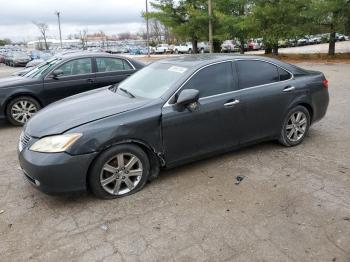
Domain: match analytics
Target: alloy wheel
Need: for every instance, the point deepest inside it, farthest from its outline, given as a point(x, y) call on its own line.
point(121, 174)
point(296, 126)
point(22, 110)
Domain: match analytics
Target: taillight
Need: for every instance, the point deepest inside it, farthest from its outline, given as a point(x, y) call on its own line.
point(325, 83)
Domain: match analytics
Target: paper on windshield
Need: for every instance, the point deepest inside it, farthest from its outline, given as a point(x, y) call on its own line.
point(177, 69)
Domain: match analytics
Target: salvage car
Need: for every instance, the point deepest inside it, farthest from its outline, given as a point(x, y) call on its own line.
point(22, 96)
point(174, 111)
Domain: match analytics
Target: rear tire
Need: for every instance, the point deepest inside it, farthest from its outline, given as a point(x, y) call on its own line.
point(21, 109)
point(119, 171)
point(295, 126)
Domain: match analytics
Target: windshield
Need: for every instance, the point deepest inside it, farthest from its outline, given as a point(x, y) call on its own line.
point(153, 81)
point(41, 69)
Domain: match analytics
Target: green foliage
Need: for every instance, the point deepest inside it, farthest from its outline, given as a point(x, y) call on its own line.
point(5, 42)
point(279, 19)
point(188, 19)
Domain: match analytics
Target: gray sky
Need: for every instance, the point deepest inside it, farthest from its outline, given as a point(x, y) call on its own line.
point(111, 16)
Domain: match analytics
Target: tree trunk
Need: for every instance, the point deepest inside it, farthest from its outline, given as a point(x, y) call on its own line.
point(275, 49)
point(46, 46)
point(268, 50)
point(241, 46)
point(194, 45)
point(331, 47)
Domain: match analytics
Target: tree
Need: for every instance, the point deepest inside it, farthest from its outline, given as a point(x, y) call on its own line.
point(275, 20)
point(232, 20)
point(83, 38)
point(43, 28)
point(187, 19)
point(331, 15)
point(5, 41)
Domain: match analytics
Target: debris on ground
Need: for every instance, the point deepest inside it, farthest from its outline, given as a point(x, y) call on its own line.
point(2, 211)
point(347, 218)
point(104, 227)
point(239, 179)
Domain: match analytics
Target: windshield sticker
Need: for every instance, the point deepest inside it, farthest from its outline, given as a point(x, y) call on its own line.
point(177, 69)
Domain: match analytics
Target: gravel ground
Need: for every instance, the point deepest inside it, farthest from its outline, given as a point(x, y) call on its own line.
point(293, 204)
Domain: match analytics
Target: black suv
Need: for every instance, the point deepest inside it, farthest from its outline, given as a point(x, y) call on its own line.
point(22, 96)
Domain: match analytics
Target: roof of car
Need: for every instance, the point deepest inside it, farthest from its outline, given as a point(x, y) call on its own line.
point(200, 60)
point(85, 54)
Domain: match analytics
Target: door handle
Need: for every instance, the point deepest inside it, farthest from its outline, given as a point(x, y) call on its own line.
point(289, 89)
point(90, 80)
point(232, 103)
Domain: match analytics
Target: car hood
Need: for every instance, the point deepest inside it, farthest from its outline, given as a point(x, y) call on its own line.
point(78, 110)
point(12, 81)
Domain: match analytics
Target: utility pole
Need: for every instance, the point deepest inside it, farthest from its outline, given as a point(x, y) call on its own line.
point(59, 25)
point(148, 51)
point(210, 27)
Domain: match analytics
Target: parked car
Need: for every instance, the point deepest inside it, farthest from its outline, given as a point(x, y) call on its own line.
point(161, 49)
point(203, 47)
point(185, 48)
point(17, 59)
point(229, 46)
point(302, 41)
point(22, 96)
point(254, 44)
point(340, 37)
point(171, 112)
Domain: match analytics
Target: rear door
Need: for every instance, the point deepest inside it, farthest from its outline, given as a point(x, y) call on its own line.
point(265, 92)
point(111, 70)
point(77, 77)
point(190, 134)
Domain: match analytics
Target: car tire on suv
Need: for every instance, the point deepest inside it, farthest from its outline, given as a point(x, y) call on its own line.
point(119, 171)
point(295, 126)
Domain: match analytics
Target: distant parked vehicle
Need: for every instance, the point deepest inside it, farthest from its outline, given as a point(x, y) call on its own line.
point(22, 96)
point(203, 47)
point(183, 48)
point(339, 37)
point(254, 44)
point(229, 46)
point(161, 49)
point(19, 59)
point(302, 41)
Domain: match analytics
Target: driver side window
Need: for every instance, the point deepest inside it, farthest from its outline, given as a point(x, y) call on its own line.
point(212, 80)
point(77, 67)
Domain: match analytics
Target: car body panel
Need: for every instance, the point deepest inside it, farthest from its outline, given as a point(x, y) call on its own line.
point(60, 116)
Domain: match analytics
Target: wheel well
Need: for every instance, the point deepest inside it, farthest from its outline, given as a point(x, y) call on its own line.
point(19, 95)
point(309, 108)
point(155, 161)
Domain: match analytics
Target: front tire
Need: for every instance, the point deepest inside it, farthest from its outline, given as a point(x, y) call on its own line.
point(295, 126)
point(21, 109)
point(119, 171)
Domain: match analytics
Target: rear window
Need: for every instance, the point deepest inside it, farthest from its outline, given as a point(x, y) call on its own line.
point(254, 73)
point(284, 75)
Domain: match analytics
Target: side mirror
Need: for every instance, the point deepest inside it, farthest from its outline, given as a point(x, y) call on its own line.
point(188, 98)
point(57, 73)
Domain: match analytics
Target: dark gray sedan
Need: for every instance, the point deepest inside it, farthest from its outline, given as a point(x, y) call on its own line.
point(22, 96)
point(169, 113)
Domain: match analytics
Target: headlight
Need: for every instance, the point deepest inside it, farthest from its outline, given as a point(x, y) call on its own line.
point(55, 144)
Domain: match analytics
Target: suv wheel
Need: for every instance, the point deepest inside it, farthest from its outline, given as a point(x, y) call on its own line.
point(295, 126)
point(119, 171)
point(21, 109)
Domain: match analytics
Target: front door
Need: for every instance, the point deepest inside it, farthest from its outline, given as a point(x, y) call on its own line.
point(190, 134)
point(77, 77)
